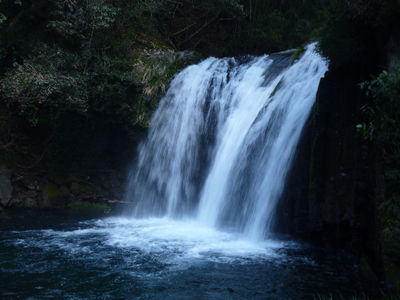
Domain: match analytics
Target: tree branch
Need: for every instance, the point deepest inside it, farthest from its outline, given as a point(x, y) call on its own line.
point(202, 28)
point(189, 26)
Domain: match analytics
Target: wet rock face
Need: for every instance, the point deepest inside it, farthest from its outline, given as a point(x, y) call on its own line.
point(329, 194)
point(340, 189)
point(5, 186)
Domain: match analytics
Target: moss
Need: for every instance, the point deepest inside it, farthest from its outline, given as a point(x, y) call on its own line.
point(56, 178)
point(155, 69)
point(51, 190)
point(159, 69)
point(88, 206)
point(83, 188)
point(296, 54)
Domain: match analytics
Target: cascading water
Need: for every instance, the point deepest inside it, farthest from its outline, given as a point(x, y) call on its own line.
point(223, 138)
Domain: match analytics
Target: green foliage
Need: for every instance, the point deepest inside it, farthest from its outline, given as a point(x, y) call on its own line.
point(299, 51)
point(280, 25)
point(389, 212)
point(50, 81)
point(349, 25)
point(272, 27)
point(88, 206)
point(2, 18)
point(56, 80)
point(158, 71)
point(346, 41)
point(382, 115)
point(384, 109)
point(76, 85)
point(80, 18)
point(386, 86)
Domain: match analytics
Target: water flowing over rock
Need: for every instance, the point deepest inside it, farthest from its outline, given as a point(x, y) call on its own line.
point(222, 141)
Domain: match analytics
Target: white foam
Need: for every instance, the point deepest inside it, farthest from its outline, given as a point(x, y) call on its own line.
point(181, 239)
point(176, 239)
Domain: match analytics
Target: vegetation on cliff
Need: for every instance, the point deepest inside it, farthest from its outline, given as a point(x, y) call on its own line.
point(382, 129)
point(86, 74)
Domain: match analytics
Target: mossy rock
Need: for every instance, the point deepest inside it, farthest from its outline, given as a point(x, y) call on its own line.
point(75, 178)
point(158, 69)
point(77, 187)
point(36, 183)
point(51, 190)
point(57, 178)
point(298, 53)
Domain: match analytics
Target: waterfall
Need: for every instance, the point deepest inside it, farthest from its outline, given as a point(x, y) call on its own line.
point(222, 141)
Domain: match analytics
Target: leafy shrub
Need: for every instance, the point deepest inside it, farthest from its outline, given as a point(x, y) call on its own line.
point(34, 86)
point(56, 80)
point(384, 109)
point(382, 114)
point(77, 18)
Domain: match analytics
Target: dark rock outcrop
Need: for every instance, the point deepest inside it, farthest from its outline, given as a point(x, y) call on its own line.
point(331, 195)
point(340, 206)
point(5, 186)
point(46, 190)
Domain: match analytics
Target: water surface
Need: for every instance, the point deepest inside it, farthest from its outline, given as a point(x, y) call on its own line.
point(71, 257)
